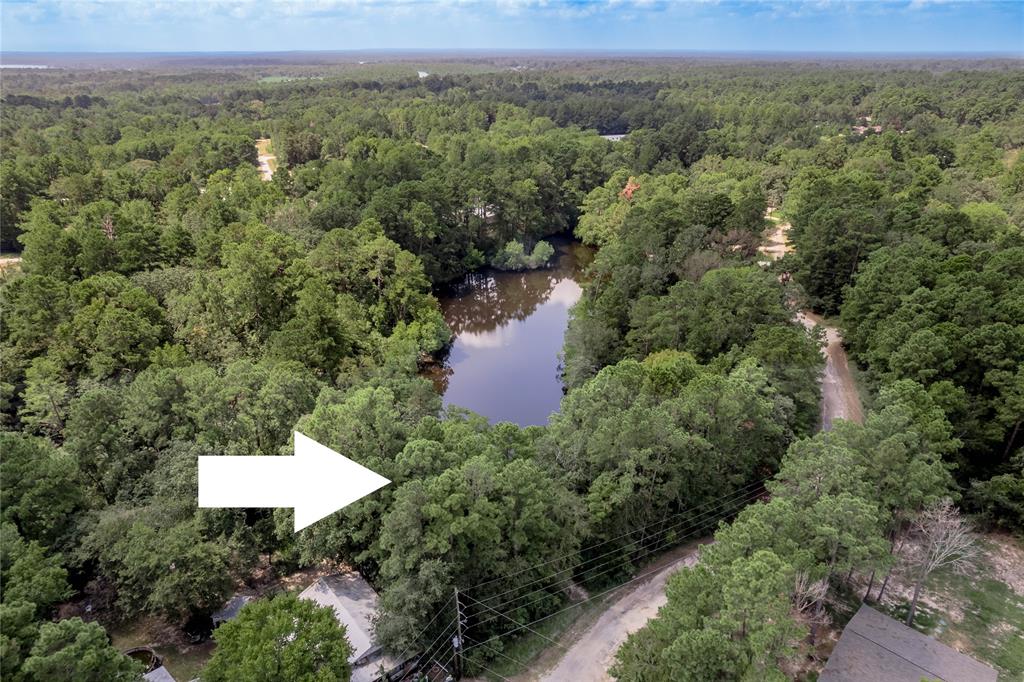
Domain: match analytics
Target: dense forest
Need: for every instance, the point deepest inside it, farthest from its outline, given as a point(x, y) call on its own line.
point(169, 303)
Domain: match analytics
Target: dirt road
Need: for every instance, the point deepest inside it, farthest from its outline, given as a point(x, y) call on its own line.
point(267, 161)
point(839, 397)
point(592, 651)
point(590, 656)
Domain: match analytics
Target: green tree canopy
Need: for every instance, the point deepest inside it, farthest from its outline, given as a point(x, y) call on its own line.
point(281, 639)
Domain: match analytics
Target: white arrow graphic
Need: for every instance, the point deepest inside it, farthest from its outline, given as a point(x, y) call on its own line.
point(316, 481)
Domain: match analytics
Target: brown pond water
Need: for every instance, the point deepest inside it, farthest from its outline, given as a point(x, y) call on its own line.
point(509, 326)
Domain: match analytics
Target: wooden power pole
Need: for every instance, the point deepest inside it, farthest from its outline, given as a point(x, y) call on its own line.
point(457, 643)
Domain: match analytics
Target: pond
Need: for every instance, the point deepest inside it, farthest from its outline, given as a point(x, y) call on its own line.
point(504, 361)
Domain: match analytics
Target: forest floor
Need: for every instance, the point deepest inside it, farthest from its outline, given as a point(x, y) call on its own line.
point(267, 161)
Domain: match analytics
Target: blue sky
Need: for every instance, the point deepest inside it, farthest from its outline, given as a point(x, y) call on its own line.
point(243, 25)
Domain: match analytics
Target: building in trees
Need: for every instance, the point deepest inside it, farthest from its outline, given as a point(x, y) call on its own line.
point(355, 606)
point(231, 609)
point(876, 648)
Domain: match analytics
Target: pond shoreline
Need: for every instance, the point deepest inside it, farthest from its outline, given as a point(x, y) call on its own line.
point(503, 360)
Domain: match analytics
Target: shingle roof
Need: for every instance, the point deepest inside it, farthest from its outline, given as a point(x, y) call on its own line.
point(160, 674)
point(231, 609)
point(876, 648)
point(354, 603)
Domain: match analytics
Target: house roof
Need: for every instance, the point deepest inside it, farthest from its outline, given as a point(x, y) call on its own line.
point(231, 609)
point(160, 674)
point(876, 648)
point(354, 603)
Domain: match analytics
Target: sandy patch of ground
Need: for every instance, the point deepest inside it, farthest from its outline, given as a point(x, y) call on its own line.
point(839, 396)
point(776, 243)
point(1006, 556)
point(267, 161)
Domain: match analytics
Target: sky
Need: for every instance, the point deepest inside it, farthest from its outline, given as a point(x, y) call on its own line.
point(932, 26)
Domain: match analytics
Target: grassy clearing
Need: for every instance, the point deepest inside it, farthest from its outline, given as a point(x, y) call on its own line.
point(183, 661)
point(1011, 156)
point(265, 148)
point(976, 613)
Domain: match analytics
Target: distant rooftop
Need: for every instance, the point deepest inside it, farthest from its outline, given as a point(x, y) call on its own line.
point(160, 674)
point(231, 609)
point(876, 648)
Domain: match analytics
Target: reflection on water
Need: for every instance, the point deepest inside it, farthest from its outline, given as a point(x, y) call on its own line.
point(508, 330)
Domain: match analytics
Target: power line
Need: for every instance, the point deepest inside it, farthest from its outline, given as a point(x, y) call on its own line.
point(432, 652)
point(605, 542)
point(507, 617)
point(625, 560)
point(741, 495)
point(444, 666)
point(492, 672)
point(650, 551)
point(457, 644)
point(444, 639)
point(424, 629)
point(614, 562)
point(737, 497)
point(522, 666)
point(571, 606)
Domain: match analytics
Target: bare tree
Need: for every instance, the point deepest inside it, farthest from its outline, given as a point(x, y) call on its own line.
point(108, 227)
point(808, 593)
point(809, 601)
point(944, 539)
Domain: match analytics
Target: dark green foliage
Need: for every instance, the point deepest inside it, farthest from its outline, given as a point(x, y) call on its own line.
point(30, 574)
point(952, 323)
point(839, 220)
point(513, 256)
point(644, 441)
point(1000, 499)
point(74, 650)
point(171, 304)
point(658, 282)
point(42, 490)
point(280, 640)
point(835, 504)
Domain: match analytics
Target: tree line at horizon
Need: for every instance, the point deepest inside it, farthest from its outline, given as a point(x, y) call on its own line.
point(170, 304)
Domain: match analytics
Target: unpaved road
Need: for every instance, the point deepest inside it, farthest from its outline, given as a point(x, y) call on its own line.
point(839, 397)
point(593, 651)
point(267, 161)
point(590, 656)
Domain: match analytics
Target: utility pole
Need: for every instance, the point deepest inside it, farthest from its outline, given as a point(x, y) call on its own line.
point(457, 641)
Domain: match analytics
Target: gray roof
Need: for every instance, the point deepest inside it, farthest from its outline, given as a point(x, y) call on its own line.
point(158, 675)
point(231, 609)
point(876, 648)
point(355, 605)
